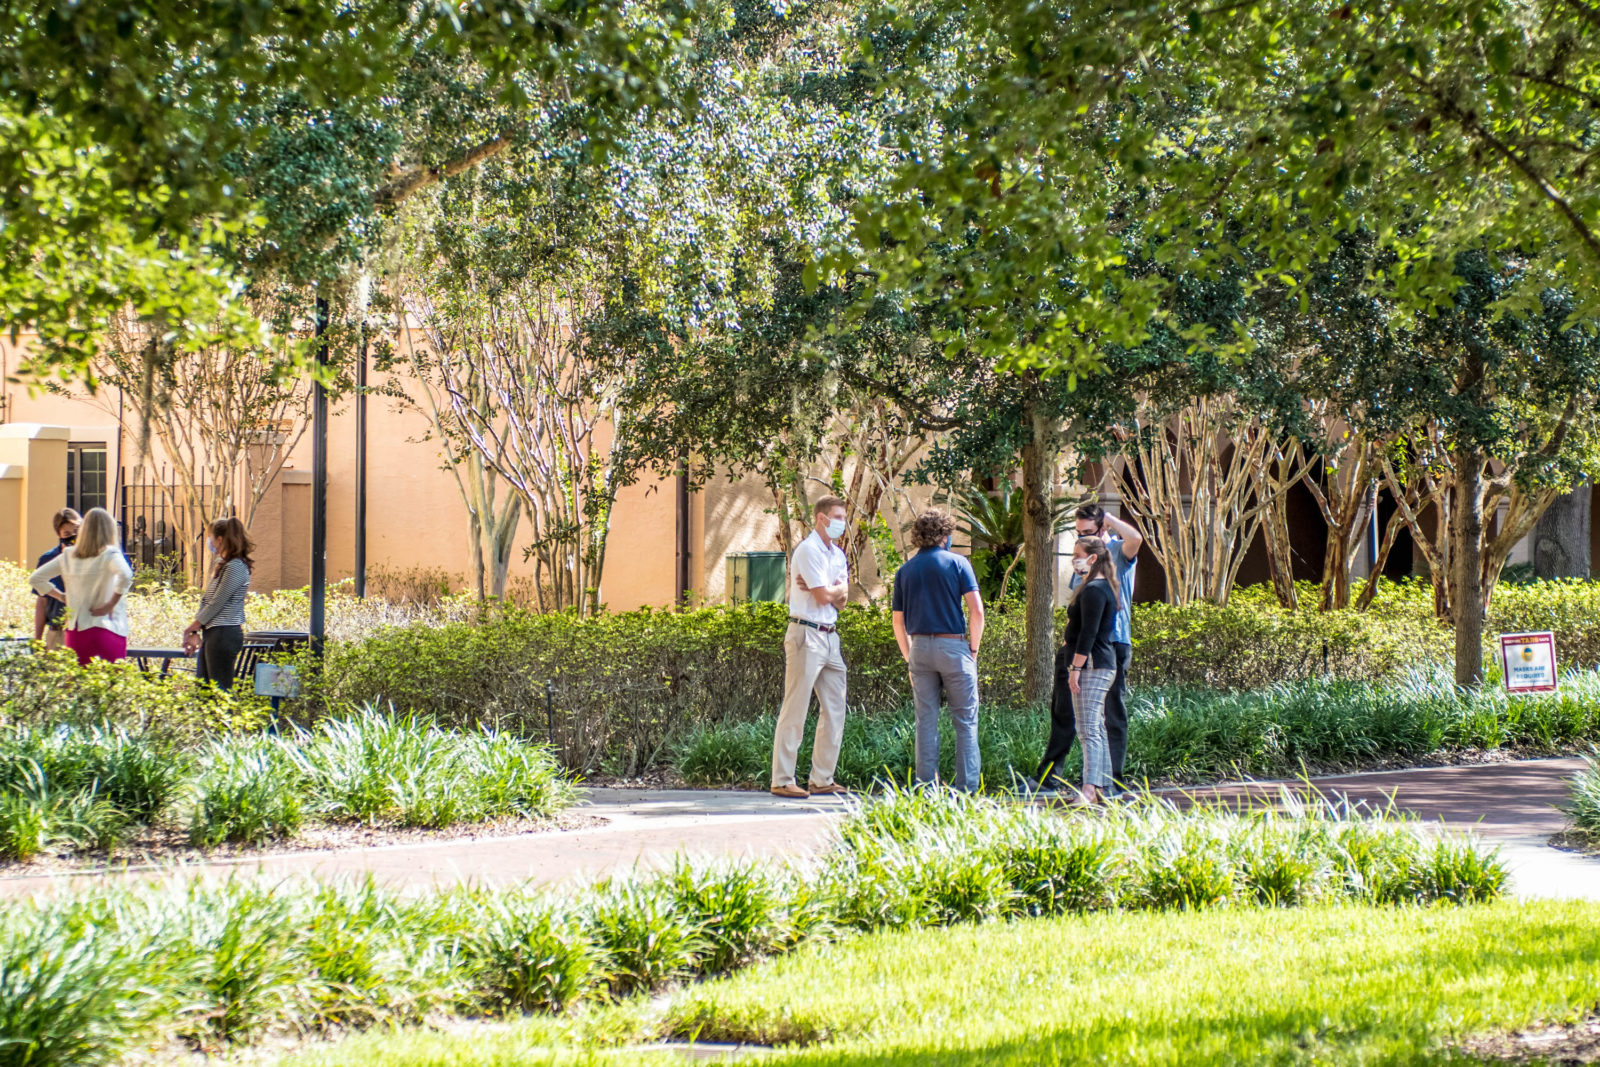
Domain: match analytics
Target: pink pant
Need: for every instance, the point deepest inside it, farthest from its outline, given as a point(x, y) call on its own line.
point(97, 642)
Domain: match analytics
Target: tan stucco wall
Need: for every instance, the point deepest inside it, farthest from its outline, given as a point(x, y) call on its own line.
point(11, 535)
point(41, 452)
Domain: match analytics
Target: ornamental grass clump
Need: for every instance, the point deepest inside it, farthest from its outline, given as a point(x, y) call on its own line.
point(76, 993)
point(381, 767)
point(131, 771)
point(248, 792)
point(893, 865)
point(36, 817)
point(374, 956)
point(533, 953)
point(645, 939)
point(84, 982)
point(1585, 806)
point(738, 907)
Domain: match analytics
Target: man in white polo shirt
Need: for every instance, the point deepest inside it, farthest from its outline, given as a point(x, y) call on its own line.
point(819, 585)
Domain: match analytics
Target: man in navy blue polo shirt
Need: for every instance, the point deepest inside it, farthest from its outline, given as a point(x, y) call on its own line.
point(939, 645)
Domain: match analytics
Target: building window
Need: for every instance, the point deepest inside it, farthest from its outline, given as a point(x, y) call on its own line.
point(86, 477)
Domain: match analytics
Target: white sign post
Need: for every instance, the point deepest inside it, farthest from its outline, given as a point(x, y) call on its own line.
point(1529, 662)
point(276, 681)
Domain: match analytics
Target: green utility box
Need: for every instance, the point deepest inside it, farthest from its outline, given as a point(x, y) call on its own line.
point(756, 576)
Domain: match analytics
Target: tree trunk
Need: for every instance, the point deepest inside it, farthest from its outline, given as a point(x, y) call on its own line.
point(1280, 551)
point(502, 543)
point(1466, 567)
point(1038, 534)
point(1561, 539)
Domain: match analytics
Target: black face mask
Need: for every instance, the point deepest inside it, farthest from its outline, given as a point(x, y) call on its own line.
point(68, 542)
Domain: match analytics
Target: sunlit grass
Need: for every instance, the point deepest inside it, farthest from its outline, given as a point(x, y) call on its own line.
point(1346, 984)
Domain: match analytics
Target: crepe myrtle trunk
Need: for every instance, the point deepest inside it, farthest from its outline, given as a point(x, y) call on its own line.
point(1466, 567)
point(1038, 534)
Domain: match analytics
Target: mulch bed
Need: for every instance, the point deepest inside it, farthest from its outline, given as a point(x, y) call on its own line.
point(167, 845)
point(1557, 1046)
point(1580, 841)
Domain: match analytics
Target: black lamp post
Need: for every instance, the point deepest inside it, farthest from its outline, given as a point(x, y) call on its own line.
point(319, 485)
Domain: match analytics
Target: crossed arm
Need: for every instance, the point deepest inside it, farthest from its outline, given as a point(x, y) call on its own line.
point(835, 594)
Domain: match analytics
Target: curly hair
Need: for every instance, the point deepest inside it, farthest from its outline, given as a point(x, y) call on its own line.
point(931, 528)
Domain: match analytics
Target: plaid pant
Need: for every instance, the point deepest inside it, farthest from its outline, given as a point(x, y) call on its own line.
point(1089, 708)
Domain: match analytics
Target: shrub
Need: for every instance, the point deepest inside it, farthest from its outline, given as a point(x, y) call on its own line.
point(633, 690)
point(50, 688)
point(132, 772)
point(248, 792)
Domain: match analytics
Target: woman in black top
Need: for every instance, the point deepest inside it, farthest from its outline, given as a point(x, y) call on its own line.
point(1090, 620)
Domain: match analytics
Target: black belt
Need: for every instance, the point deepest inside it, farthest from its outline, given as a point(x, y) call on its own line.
point(820, 626)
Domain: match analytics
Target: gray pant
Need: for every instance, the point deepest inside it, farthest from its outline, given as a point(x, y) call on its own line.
point(948, 664)
point(1090, 708)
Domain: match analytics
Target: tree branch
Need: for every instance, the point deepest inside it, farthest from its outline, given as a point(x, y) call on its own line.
point(419, 178)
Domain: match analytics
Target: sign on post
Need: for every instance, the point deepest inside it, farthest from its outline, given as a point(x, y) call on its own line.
point(1529, 661)
point(276, 681)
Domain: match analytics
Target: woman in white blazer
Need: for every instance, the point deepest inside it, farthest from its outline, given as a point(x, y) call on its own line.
point(96, 575)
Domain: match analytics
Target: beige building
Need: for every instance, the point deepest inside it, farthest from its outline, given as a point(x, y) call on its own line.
point(72, 449)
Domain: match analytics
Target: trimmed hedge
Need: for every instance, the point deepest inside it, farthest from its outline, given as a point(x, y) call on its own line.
point(623, 689)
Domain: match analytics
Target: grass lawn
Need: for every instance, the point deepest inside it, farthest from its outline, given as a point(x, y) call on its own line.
point(1345, 984)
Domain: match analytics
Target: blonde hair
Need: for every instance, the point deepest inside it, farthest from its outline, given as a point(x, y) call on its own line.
point(97, 533)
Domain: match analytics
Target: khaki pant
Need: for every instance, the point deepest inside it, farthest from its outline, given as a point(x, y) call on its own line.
point(811, 663)
point(54, 638)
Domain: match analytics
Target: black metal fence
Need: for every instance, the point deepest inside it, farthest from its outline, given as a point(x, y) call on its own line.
point(158, 531)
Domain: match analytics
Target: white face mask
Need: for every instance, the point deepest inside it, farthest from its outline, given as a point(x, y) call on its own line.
point(1081, 564)
point(835, 529)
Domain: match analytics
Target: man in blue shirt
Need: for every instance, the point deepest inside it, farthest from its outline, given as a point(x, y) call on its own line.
point(50, 613)
point(1125, 540)
point(940, 646)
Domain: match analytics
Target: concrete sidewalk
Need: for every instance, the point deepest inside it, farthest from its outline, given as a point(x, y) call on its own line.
point(642, 827)
point(1515, 806)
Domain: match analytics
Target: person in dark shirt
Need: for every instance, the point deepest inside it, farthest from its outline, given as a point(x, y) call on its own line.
point(1091, 624)
point(50, 612)
point(940, 646)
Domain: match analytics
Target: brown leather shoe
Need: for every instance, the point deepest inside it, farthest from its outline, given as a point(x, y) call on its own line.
point(833, 789)
point(789, 792)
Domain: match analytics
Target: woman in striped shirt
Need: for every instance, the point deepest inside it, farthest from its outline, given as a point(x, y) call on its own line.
point(218, 627)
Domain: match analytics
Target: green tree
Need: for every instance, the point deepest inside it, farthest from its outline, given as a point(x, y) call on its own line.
point(1253, 132)
point(1486, 418)
point(127, 132)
